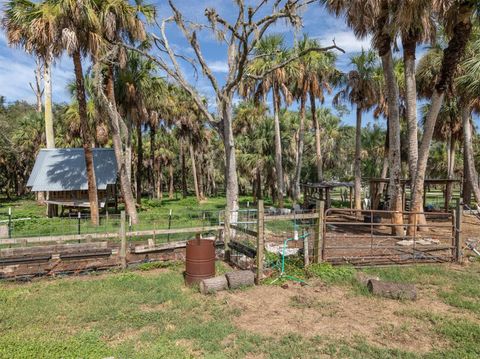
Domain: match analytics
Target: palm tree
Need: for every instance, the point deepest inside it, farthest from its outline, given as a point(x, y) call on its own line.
point(468, 85)
point(374, 18)
point(360, 90)
point(415, 21)
point(269, 53)
point(31, 25)
point(315, 69)
point(120, 21)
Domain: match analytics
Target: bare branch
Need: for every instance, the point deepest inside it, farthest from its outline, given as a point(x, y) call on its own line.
point(299, 55)
point(192, 38)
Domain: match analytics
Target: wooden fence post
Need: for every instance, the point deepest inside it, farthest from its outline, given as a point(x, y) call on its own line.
point(260, 241)
point(318, 239)
point(226, 234)
point(458, 232)
point(123, 239)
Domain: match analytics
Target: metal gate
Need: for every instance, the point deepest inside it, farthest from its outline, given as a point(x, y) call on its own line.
point(368, 237)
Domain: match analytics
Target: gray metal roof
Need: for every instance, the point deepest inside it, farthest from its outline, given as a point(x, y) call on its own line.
point(64, 169)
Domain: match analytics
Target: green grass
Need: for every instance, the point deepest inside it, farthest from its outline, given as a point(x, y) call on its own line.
point(148, 313)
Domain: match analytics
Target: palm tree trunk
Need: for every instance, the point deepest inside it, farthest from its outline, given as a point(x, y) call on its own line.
point(125, 184)
point(409, 48)
point(395, 185)
point(467, 185)
point(86, 138)
point(451, 149)
point(128, 147)
point(467, 134)
point(170, 183)
point(152, 158)
point(358, 162)
point(47, 78)
point(451, 56)
point(139, 162)
point(318, 139)
point(301, 135)
point(278, 146)
point(194, 170)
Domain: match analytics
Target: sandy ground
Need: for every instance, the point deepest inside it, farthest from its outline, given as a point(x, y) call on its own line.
point(336, 312)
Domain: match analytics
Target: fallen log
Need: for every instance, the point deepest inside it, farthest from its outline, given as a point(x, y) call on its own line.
point(213, 285)
point(241, 278)
point(364, 278)
point(392, 290)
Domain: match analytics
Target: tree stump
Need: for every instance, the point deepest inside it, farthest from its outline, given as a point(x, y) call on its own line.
point(392, 290)
point(213, 285)
point(241, 278)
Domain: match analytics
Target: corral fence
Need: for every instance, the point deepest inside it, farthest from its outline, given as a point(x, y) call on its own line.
point(250, 237)
point(370, 237)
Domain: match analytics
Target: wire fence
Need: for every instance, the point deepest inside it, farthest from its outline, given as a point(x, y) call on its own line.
point(15, 230)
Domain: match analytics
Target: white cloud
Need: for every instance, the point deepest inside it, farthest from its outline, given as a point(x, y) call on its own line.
point(218, 66)
point(345, 40)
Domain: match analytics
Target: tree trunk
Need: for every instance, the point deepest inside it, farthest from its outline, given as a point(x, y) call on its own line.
point(318, 139)
point(194, 170)
point(358, 162)
point(125, 185)
point(213, 285)
point(451, 57)
point(278, 146)
point(184, 170)
point(467, 185)
point(37, 90)
point(240, 279)
point(170, 184)
point(128, 147)
point(230, 161)
point(391, 290)
point(50, 137)
point(467, 133)
point(139, 161)
point(409, 48)
point(200, 177)
point(259, 184)
point(452, 155)
point(395, 185)
point(301, 134)
point(86, 138)
point(152, 158)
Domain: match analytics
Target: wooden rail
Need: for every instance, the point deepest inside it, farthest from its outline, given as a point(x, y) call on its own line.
point(80, 237)
point(285, 217)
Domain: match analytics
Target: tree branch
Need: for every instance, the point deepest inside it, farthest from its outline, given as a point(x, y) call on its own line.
point(299, 55)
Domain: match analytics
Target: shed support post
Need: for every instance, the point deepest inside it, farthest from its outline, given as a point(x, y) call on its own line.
point(260, 241)
point(318, 239)
point(123, 239)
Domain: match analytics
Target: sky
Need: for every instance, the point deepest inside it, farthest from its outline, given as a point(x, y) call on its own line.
point(16, 67)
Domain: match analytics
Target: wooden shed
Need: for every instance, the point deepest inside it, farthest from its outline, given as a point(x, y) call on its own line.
point(61, 173)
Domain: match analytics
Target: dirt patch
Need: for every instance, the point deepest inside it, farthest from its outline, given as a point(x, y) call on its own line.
point(335, 312)
point(148, 308)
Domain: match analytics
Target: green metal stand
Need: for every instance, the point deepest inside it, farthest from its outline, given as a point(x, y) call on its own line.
point(283, 274)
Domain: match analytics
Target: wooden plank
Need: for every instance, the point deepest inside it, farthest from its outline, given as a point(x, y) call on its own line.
point(297, 216)
point(79, 237)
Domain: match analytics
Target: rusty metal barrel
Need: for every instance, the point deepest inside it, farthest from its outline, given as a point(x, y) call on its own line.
point(200, 260)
